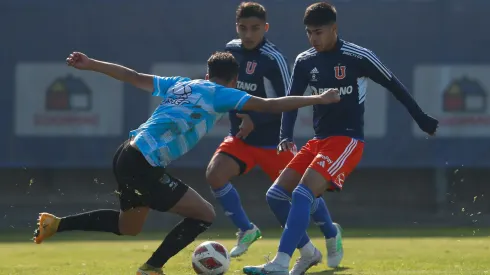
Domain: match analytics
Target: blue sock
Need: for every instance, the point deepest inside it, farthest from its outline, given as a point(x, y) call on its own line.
point(278, 199)
point(321, 217)
point(298, 219)
point(230, 201)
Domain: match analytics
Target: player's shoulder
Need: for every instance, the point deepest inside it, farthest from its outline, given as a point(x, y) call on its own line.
point(306, 55)
point(234, 44)
point(352, 50)
point(206, 85)
point(271, 52)
point(177, 80)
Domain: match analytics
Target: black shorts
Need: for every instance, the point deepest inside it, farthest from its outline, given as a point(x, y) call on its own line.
point(140, 184)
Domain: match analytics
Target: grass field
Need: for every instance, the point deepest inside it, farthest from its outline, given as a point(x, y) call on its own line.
point(368, 251)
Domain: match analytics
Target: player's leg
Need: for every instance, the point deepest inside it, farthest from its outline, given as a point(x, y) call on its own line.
point(322, 173)
point(279, 197)
point(282, 170)
point(285, 185)
point(296, 225)
point(176, 197)
point(336, 158)
point(128, 221)
point(231, 159)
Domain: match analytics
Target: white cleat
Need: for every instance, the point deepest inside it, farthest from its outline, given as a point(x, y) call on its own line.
point(335, 249)
point(245, 240)
point(303, 263)
point(269, 268)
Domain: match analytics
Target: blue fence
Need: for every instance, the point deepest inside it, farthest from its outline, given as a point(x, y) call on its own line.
point(52, 116)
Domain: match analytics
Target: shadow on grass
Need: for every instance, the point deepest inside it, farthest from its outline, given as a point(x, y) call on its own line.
point(331, 271)
point(23, 235)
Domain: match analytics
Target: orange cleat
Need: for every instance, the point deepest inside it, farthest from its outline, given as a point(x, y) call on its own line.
point(47, 226)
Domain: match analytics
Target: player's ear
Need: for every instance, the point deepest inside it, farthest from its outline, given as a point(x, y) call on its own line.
point(206, 77)
point(266, 27)
point(334, 27)
point(236, 24)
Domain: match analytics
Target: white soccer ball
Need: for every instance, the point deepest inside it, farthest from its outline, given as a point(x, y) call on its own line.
point(210, 258)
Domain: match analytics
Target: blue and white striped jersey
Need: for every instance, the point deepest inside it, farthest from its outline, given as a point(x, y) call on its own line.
point(189, 109)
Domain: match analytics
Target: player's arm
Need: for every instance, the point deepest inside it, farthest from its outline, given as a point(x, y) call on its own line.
point(380, 74)
point(139, 80)
point(279, 78)
point(289, 103)
point(232, 99)
point(157, 85)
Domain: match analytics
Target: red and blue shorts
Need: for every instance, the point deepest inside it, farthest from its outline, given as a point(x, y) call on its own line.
point(333, 157)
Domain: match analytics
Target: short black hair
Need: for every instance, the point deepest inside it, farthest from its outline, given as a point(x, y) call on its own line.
point(320, 14)
point(222, 65)
point(251, 9)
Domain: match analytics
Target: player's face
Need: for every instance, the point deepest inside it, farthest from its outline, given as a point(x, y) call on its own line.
point(251, 31)
point(322, 38)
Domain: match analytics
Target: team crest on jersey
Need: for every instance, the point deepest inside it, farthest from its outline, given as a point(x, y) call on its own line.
point(339, 72)
point(251, 65)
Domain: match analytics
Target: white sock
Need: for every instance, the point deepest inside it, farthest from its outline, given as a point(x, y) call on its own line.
point(308, 250)
point(282, 259)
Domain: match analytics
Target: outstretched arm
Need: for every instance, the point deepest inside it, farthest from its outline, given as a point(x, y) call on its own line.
point(232, 99)
point(82, 62)
point(289, 103)
point(380, 74)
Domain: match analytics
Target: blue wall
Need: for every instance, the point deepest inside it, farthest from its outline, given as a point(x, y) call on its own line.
point(138, 34)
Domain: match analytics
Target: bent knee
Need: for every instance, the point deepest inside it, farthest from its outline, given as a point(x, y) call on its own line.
point(130, 230)
point(315, 182)
point(216, 178)
point(220, 171)
point(288, 179)
point(207, 213)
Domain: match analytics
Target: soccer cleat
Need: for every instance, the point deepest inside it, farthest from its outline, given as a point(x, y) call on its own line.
point(47, 226)
point(335, 249)
point(245, 240)
point(269, 268)
point(303, 263)
point(149, 270)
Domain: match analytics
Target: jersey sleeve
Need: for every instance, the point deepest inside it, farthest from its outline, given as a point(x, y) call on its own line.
point(299, 83)
point(379, 73)
point(227, 99)
point(161, 84)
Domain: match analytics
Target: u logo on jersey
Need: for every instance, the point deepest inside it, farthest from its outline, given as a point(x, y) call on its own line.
point(339, 72)
point(251, 65)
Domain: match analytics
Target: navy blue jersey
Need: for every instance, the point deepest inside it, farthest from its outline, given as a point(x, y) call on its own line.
point(346, 68)
point(264, 73)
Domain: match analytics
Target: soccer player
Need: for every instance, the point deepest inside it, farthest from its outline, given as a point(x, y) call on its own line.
point(326, 161)
point(189, 109)
point(254, 136)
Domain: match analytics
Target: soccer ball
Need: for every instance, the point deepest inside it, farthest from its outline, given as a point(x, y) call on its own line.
point(210, 258)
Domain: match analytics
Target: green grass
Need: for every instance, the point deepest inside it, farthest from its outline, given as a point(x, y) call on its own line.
point(368, 251)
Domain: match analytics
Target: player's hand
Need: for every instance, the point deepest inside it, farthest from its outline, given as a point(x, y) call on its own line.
point(286, 145)
point(246, 127)
point(330, 96)
point(78, 60)
point(427, 124)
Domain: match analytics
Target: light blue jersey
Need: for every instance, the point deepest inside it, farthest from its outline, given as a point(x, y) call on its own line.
point(188, 111)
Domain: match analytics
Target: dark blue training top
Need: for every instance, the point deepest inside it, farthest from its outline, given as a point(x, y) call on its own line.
point(264, 72)
point(346, 68)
